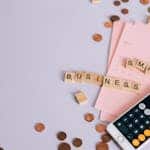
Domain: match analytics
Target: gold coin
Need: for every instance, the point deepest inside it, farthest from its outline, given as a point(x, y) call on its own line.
point(147, 133)
point(108, 24)
point(89, 117)
point(141, 137)
point(97, 37)
point(100, 128)
point(39, 127)
point(102, 146)
point(136, 142)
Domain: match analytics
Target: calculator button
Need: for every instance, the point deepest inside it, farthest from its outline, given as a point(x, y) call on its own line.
point(142, 116)
point(130, 136)
point(119, 124)
point(147, 122)
point(141, 126)
point(136, 110)
point(147, 133)
point(136, 131)
point(125, 119)
point(131, 115)
point(136, 121)
point(135, 142)
point(147, 112)
point(142, 106)
point(124, 129)
point(130, 125)
point(141, 137)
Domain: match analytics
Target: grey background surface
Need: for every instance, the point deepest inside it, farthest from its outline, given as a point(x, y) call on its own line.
point(39, 40)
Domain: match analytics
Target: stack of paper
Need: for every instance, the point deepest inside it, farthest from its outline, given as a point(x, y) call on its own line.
point(129, 40)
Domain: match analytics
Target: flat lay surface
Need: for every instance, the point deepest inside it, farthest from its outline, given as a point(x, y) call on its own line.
point(40, 40)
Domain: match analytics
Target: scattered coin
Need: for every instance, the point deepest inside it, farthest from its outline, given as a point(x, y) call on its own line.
point(61, 136)
point(117, 3)
point(125, 1)
point(148, 9)
point(108, 24)
point(100, 128)
point(97, 37)
point(114, 18)
point(125, 11)
point(102, 146)
point(64, 146)
point(89, 117)
point(144, 2)
point(77, 142)
point(106, 138)
point(39, 127)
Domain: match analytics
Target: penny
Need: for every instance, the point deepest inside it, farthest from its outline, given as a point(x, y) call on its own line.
point(97, 37)
point(108, 24)
point(100, 128)
point(89, 117)
point(106, 138)
point(64, 146)
point(77, 142)
point(39, 127)
point(125, 1)
point(114, 18)
point(117, 3)
point(144, 2)
point(61, 136)
point(125, 11)
point(102, 146)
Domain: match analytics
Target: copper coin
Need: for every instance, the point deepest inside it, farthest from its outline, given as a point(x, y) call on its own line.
point(125, 1)
point(125, 11)
point(61, 136)
point(100, 128)
point(102, 146)
point(106, 138)
point(108, 24)
point(64, 146)
point(144, 2)
point(77, 142)
point(97, 37)
point(117, 3)
point(1, 148)
point(114, 18)
point(39, 127)
point(89, 117)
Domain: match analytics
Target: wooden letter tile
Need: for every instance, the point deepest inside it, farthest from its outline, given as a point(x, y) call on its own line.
point(69, 77)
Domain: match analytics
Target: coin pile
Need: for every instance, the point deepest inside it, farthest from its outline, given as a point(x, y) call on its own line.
point(105, 138)
point(61, 136)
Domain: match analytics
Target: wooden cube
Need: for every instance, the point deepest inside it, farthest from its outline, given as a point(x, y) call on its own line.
point(81, 98)
point(69, 77)
point(141, 65)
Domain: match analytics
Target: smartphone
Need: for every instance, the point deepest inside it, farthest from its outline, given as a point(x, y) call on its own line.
point(132, 129)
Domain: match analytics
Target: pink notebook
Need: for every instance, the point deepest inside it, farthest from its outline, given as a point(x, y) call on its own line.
point(133, 42)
